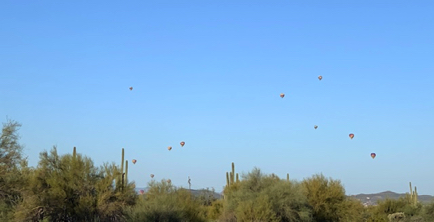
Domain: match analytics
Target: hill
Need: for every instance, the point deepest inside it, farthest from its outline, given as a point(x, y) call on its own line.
point(366, 199)
point(193, 191)
point(371, 199)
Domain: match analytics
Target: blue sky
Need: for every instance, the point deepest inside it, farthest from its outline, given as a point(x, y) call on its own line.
point(210, 73)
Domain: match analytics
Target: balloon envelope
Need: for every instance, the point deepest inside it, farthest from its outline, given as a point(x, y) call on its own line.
point(152, 175)
point(319, 77)
point(169, 148)
point(315, 127)
point(134, 161)
point(142, 191)
point(131, 88)
point(169, 181)
point(351, 135)
point(282, 95)
point(373, 155)
point(182, 143)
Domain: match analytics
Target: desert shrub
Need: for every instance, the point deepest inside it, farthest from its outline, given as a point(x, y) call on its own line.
point(71, 188)
point(388, 209)
point(428, 212)
point(164, 202)
point(13, 170)
point(328, 201)
point(259, 197)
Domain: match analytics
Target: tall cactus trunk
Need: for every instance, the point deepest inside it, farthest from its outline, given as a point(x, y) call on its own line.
point(126, 172)
point(287, 177)
point(233, 173)
point(74, 152)
point(122, 169)
point(227, 179)
point(415, 194)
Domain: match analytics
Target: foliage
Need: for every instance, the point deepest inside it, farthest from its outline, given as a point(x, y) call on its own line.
point(327, 198)
point(259, 197)
point(164, 202)
point(13, 169)
point(428, 212)
point(390, 209)
point(68, 188)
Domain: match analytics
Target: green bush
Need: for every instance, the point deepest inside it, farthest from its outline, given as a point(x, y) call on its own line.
point(328, 201)
point(67, 188)
point(163, 203)
point(259, 197)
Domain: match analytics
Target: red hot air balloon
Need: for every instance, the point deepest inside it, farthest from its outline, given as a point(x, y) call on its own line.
point(351, 136)
point(182, 143)
point(320, 77)
point(373, 155)
point(152, 175)
point(142, 191)
point(282, 95)
point(134, 161)
point(131, 88)
point(316, 127)
point(169, 148)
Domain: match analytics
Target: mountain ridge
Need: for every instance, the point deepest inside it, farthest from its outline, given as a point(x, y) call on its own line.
point(366, 199)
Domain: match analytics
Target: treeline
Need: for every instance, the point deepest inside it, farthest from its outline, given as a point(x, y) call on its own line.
point(71, 188)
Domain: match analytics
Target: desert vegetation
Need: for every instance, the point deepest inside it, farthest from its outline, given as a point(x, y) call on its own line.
point(71, 188)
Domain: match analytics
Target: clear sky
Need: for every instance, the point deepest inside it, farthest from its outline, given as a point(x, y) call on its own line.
point(210, 73)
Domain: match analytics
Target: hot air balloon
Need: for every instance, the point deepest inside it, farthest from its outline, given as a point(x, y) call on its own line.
point(134, 161)
point(315, 127)
point(142, 191)
point(131, 88)
point(351, 135)
point(320, 77)
point(169, 148)
point(169, 181)
point(282, 95)
point(373, 155)
point(152, 175)
point(182, 143)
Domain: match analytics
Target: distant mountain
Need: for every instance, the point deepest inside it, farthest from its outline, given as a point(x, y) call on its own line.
point(366, 199)
point(193, 191)
point(371, 199)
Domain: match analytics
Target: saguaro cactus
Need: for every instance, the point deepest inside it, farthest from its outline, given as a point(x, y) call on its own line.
point(413, 195)
point(124, 174)
point(287, 177)
point(74, 152)
point(122, 161)
point(232, 177)
point(126, 171)
point(227, 179)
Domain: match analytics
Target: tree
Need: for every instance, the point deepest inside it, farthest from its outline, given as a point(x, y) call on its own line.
point(259, 197)
point(13, 168)
point(328, 201)
point(163, 202)
point(71, 188)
